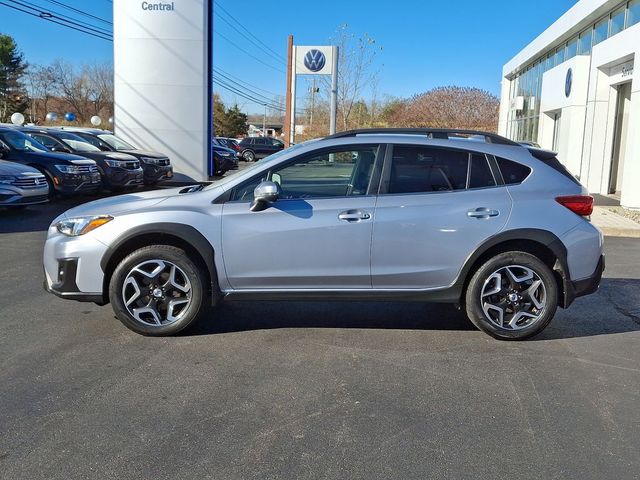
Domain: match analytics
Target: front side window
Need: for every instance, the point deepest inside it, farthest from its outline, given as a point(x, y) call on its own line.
point(77, 143)
point(45, 140)
point(21, 142)
point(341, 173)
point(423, 170)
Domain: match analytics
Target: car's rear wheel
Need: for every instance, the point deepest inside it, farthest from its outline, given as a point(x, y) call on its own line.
point(248, 156)
point(158, 290)
point(512, 296)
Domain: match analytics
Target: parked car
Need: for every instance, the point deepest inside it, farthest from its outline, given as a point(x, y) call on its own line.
point(255, 148)
point(231, 143)
point(66, 174)
point(118, 170)
point(384, 214)
point(21, 185)
point(224, 159)
point(156, 166)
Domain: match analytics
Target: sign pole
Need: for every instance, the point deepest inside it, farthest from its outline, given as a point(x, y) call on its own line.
point(334, 93)
point(290, 74)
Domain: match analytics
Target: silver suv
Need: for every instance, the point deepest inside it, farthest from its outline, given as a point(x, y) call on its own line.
point(467, 218)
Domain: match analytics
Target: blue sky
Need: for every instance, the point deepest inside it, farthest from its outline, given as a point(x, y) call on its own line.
point(425, 43)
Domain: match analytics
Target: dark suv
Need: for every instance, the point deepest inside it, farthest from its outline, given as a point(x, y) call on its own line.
point(255, 148)
point(156, 166)
point(66, 174)
point(118, 170)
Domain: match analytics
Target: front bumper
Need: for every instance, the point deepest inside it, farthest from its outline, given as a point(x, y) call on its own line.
point(224, 164)
point(14, 196)
point(156, 173)
point(72, 266)
point(68, 184)
point(123, 177)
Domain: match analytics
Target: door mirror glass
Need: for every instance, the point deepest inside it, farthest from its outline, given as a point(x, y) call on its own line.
point(60, 149)
point(264, 194)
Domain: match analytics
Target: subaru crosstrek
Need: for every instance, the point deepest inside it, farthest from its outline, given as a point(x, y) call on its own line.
point(494, 227)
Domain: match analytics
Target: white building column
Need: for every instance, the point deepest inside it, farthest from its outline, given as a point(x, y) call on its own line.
point(631, 174)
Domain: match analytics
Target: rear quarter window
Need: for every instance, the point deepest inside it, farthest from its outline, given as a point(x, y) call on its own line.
point(512, 172)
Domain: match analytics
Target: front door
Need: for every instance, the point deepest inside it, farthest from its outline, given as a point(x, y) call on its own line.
point(438, 205)
point(317, 235)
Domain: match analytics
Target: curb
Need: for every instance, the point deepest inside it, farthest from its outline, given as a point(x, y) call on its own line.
point(620, 232)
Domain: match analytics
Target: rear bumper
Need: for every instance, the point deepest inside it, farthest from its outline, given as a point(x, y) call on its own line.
point(585, 286)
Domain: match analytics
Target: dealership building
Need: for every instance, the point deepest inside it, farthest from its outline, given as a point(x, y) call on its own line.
point(574, 90)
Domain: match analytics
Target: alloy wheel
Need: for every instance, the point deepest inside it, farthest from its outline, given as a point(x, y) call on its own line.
point(513, 297)
point(157, 293)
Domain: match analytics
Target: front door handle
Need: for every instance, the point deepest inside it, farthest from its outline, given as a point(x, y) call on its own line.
point(483, 212)
point(354, 216)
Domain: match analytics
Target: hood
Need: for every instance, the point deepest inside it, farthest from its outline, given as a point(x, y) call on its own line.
point(54, 156)
point(12, 168)
point(123, 157)
point(143, 153)
point(125, 203)
point(217, 148)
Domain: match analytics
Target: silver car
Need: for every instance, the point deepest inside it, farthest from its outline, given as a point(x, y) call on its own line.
point(21, 185)
point(499, 229)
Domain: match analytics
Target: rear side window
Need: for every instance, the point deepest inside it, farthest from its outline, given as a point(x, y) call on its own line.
point(512, 172)
point(421, 169)
point(480, 175)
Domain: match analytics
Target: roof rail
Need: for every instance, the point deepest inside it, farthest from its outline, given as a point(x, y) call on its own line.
point(441, 133)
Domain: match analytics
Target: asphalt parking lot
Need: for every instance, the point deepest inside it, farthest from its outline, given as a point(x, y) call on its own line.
point(281, 390)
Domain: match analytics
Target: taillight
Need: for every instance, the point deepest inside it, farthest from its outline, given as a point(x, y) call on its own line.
point(578, 204)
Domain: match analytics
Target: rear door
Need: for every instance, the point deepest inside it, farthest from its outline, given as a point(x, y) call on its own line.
point(436, 206)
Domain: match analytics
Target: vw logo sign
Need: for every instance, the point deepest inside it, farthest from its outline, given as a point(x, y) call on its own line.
point(568, 83)
point(314, 60)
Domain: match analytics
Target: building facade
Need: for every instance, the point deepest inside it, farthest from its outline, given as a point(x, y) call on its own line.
point(574, 90)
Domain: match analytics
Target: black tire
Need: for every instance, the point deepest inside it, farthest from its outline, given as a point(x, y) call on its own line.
point(474, 304)
point(194, 273)
point(249, 156)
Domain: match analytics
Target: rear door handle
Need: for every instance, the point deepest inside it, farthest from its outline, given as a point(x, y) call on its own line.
point(483, 212)
point(352, 216)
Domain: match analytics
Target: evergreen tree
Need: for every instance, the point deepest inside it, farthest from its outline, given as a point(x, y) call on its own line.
point(13, 96)
point(236, 122)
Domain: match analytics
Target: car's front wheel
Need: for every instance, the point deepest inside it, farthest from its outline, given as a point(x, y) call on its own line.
point(512, 296)
point(248, 156)
point(158, 290)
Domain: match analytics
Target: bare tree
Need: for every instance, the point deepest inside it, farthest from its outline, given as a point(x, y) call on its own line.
point(42, 84)
point(99, 80)
point(448, 107)
point(356, 70)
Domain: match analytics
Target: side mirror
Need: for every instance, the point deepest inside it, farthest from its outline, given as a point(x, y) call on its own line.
point(60, 149)
point(264, 194)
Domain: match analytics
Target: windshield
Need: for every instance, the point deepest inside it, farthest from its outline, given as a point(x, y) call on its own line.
point(21, 142)
point(77, 143)
point(257, 165)
point(115, 142)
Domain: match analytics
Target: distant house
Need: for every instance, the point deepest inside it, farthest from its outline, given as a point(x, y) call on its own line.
point(273, 130)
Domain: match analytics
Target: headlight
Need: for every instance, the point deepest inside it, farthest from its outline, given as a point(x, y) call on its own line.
point(74, 227)
point(73, 169)
point(114, 163)
point(7, 179)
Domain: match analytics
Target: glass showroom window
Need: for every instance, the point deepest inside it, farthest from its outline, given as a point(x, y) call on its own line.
point(584, 42)
point(572, 48)
point(633, 14)
point(601, 31)
point(559, 57)
point(617, 21)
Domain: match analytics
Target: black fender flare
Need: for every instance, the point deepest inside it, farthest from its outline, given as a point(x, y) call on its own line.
point(543, 237)
point(186, 233)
